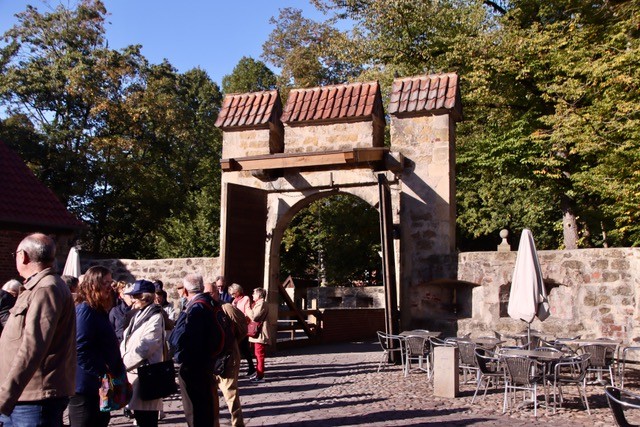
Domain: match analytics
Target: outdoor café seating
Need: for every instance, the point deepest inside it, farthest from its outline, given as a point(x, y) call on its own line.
point(601, 360)
point(623, 363)
point(620, 401)
point(524, 374)
point(468, 362)
point(491, 371)
point(391, 345)
point(571, 371)
point(417, 349)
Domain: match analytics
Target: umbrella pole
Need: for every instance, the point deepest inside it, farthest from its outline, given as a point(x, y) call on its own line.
point(529, 335)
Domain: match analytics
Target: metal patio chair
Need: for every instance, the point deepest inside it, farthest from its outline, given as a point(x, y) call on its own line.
point(623, 363)
point(601, 359)
point(525, 374)
point(571, 371)
point(491, 371)
point(620, 400)
point(391, 344)
point(468, 362)
point(417, 349)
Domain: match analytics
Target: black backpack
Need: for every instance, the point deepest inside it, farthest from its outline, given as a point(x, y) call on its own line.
point(221, 337)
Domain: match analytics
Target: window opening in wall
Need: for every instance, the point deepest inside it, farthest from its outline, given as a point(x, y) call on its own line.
point(503, 294)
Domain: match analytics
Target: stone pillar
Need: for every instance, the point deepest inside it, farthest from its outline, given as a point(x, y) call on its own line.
point(446, 382)
point(427, 200)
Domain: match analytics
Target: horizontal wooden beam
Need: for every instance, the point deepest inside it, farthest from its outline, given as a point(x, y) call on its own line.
point(355, 156)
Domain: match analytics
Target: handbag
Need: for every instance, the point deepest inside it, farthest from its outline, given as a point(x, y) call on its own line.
point(253, 329)
point(114, 392)
point(157, 380)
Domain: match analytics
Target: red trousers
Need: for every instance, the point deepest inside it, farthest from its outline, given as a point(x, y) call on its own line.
point(259, 350)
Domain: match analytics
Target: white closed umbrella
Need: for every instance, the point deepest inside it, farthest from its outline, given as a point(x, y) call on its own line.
point(528, 297)
point(72, 265)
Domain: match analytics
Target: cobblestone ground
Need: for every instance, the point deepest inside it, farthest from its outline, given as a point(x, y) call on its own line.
point(337, 385)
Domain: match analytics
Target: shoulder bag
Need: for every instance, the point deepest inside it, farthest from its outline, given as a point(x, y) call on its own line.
point(157, 380)
point(253, 329)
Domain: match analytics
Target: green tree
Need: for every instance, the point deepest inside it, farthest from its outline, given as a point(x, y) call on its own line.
point(249, 75)
point(550, 97)
point(335, 240)
point(124, 143)
point(304, 51)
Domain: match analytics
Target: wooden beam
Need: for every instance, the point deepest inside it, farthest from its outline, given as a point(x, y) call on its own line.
point(355, 156)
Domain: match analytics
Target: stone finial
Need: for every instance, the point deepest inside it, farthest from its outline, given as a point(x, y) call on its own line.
point(504, 245)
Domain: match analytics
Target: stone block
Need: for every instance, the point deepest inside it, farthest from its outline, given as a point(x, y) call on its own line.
point(446, 382)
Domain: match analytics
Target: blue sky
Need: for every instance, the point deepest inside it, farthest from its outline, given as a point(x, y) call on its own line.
point(211, 34)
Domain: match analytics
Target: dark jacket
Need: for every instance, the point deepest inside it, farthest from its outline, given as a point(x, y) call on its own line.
point(195, 337)
point(7, 301)
point(38, 346)
point(119, 318)
point(98, 349)
point(225, 297)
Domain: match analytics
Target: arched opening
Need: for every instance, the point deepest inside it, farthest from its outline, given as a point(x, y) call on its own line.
point(327, 255)
point(334, 241)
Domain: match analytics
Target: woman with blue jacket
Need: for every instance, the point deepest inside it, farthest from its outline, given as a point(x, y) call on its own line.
point(97, 347)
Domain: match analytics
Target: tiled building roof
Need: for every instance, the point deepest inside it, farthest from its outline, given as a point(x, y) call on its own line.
point(332, 103)
point(426, 94)
point(24, 200)
point(255, 109)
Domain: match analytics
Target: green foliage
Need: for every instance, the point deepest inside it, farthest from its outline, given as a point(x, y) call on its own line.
point(305, 51)
point(249, 75)
point(125, 144)
point(335, 238)
point(193, 230)
point(550, 97)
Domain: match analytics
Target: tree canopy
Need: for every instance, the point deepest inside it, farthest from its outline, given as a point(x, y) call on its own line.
point(549, 139)
point(125, 144)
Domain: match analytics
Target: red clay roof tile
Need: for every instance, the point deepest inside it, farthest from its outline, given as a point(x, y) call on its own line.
point(254, 109)
point(346, 101)
point(425, 94)
point(24, 200)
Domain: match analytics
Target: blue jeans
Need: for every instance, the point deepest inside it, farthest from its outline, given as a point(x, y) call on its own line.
point(44, 413)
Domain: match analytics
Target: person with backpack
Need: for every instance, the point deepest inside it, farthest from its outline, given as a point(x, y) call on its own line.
point(228, 380)
point(196, 341)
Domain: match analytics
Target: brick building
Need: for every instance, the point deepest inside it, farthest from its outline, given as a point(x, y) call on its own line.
point(27, 206)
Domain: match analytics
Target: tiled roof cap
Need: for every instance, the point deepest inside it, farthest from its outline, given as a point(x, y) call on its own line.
point(332, 103)
point(24, 200)
point(255, 109)
point(426, 94)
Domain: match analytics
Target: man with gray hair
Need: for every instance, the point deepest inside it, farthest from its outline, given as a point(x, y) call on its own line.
point(38, 356)
point(193, 342)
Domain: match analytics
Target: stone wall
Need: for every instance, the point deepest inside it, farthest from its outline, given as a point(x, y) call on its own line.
point(336, 136)
point(343, 297)
point(592, 292)
point(253, 142)
point(169, 271)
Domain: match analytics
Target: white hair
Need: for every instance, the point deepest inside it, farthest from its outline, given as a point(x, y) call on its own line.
point(12, 286)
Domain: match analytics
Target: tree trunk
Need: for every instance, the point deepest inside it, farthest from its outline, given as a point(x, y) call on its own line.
point(569, 223)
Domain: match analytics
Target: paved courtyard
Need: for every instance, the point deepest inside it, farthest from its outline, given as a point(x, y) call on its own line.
point(337, 385)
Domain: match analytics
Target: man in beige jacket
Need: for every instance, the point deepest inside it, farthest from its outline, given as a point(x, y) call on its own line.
point(229, 383)
point(38, 357)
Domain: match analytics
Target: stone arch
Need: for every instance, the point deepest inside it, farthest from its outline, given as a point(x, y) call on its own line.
point(285, 219)
point(330, 140)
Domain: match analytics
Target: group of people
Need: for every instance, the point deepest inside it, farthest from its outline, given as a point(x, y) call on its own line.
point(60, 338)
